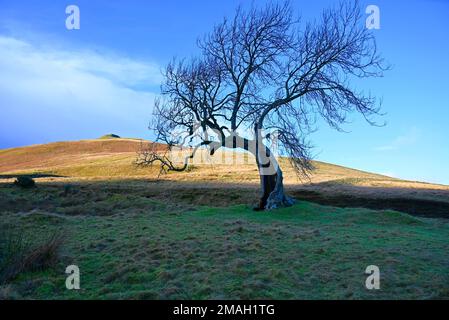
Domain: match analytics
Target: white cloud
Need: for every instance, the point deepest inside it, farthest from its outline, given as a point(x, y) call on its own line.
point(407, 139)
point(55, 93)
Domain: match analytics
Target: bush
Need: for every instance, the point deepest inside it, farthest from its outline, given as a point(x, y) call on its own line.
point(24, 182)
point(12, 246)
point(17, 255)
point(110, 136)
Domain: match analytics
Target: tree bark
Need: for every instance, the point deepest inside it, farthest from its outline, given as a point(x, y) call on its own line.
point(272, 185)
point(270, 173)
point(272, 193)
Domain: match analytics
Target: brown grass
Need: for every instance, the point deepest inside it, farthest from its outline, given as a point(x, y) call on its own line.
point(226, 178)
point(59, 154)
point(20, 257)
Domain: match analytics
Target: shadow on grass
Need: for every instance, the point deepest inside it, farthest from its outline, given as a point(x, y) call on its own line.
point(423, 202)
point(33, 175)
point(418, 207)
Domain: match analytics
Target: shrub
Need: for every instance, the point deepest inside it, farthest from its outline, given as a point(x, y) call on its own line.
point(44, 255)
point(24, 182)
point(110, 136)
point(12, 246)
point(17, 255)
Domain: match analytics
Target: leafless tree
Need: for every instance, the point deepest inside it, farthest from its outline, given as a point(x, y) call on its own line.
point(267, 73)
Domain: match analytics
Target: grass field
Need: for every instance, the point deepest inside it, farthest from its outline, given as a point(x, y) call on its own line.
point(193, 235)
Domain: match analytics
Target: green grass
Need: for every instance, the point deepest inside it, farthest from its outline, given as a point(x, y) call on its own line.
point(130, 246)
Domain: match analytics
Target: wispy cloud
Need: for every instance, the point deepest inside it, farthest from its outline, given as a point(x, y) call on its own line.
point(58, 93)
point(407, 139)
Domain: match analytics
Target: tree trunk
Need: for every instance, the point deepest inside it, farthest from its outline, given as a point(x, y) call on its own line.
point(272, 192)
point(271, 183)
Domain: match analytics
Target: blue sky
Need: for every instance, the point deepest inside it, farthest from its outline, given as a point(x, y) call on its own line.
point(57, 84)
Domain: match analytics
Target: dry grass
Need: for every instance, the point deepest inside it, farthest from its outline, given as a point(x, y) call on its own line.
point(226, 178)
point(114, 158)
point(193, 235)
point(147, 249)
point(62, 154)
point(19, 255)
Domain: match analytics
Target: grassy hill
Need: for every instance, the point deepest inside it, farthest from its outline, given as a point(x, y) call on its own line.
point(110, 160)
point(67, 159)
point(137, 235)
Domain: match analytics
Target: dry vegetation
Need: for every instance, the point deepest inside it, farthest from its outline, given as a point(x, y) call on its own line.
point(193, 235)
point(112, 160)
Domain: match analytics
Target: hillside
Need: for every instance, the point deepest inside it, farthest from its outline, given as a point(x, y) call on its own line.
point(113, 160)
point(68, 159)
point(135, 235)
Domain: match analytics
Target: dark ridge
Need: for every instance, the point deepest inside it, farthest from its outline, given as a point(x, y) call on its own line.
point(416, 207)
point(110, 136)
point(32, 175)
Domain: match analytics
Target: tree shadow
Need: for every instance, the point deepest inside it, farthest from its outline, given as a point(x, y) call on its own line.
point(414, 206)
point(34, 175)
point(423, 202)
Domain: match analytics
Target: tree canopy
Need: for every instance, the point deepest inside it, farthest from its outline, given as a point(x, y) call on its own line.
point(264, 74)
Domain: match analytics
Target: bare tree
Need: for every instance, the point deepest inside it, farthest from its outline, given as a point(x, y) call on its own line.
point(267, 73)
